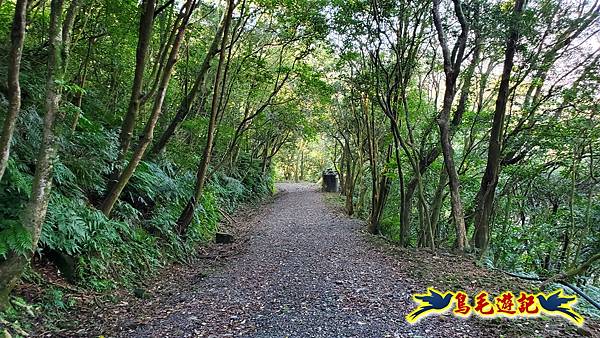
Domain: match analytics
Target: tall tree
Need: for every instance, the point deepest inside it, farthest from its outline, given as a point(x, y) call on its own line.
point(59, 40)
point(188, 212)
point(17, 36)
point(187, 102)
point(485, 197)
point(144, 37)
point(395, 78)
point(452, 65)
point(145, 141)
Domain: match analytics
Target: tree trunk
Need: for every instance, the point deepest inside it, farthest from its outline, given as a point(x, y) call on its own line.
point(382, 191)
point(17, 36)
point(144, 37)
point(187, 102)
point(296, 170)
point(35, 211)
point(376, 194)
point(340, 170)
point(403, 204)
point(570, 229)
point(186, 216)
point(302, 165)
point(362, 189)
point(82, 79)
point(452, 64)
point(349, 185)
point(265, 158)
point(138, 154)
point(484, 201)
point(588, 208)
point(438, 199)
point(457, 207)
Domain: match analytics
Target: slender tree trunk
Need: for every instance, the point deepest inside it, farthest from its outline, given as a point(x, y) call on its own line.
point(425, 220)
point(138, 154)
point(405, 216)
point(341, 171)
point(265, 157)
point(349, 196)
point(575, 271)
point(302, 165)
point(427, 158)
point(418, 183)
point(570, 230)
point(588, 209)
point(296, 170)
point(35, 211)
point(404, 226)
point(452, 62)
point(373, 224)
point(166, 41)
point(424, 163)
point(82, 79)
point(144, 36)
point(188, 213)
point(188, 101)
point(484, 202)
point(438, 199)
point(17, 36)
point(349, 185)
point(362, 190)
point(457, 207)
point(383, 189)
point(448, 154)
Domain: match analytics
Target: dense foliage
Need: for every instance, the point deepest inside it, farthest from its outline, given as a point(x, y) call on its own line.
point(473, 125)
point(237, 72)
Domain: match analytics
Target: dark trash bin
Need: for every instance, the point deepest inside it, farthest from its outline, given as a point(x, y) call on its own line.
point(330, 182)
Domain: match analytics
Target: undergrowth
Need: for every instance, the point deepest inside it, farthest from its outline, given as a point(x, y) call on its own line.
point(99, 253)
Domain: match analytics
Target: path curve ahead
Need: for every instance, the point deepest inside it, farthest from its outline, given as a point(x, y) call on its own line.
point(307, 271)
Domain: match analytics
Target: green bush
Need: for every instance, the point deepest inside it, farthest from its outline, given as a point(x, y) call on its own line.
point(140, 237)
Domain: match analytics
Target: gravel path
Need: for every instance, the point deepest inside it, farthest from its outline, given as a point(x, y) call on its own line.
point(307, 271)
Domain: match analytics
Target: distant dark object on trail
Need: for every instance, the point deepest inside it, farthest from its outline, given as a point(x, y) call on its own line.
point(141, 293)
point(223, 238)
point(66, 264)
point(330, 182)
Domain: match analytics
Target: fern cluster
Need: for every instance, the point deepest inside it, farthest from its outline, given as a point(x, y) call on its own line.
point(140, 236)
point(13, 237)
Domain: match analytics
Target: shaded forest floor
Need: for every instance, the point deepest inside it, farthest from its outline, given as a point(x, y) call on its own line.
point(300, 268)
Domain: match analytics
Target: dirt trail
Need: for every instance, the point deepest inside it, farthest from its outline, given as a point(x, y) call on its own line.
point(306, 271)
